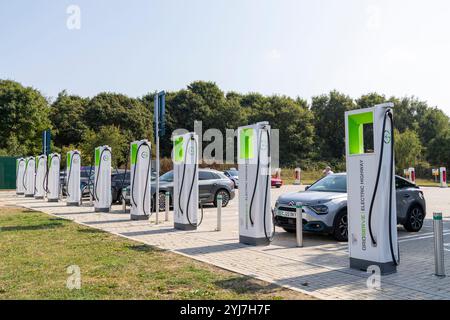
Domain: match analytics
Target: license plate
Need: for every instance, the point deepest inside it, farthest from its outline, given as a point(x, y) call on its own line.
point(287, 214)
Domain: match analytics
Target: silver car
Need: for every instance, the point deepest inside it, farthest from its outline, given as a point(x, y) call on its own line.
point(325, 207)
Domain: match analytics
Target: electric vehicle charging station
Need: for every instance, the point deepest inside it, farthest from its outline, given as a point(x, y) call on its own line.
point(140, 182)
point(73, 168)
point(52, 177)
point(255, 215)
point(102, 185)
point(29, 179)
point(185, 181)
point(412, 175)
point(443, 177)
point(20, 172)
point(41, 171)
point(371, 203)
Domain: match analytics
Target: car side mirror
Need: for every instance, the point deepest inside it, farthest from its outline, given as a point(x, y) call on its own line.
point(307, 187)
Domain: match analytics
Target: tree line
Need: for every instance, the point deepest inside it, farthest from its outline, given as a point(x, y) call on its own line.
point(311, 134)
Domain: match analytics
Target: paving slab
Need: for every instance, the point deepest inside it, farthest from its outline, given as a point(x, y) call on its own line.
point(320, 268)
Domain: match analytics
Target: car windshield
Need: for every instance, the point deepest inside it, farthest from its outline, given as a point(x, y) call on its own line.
point(331, 183)
point(233, 173)
point(168, 176)
point(85, 174)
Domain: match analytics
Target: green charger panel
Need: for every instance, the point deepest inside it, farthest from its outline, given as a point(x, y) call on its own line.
point(69, 159)
point(178, 149)
point(134, 148)
point(246, 143)
point(97, 157)
point(356, 124)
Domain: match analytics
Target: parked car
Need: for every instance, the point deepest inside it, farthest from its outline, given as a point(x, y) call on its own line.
point(325, 207)
point(212, 183)
point(233, 175)
point(277, 183)
point(84, 180)
point(119, 180)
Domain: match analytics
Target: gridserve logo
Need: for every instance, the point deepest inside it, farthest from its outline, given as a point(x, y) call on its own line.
point(387, 137)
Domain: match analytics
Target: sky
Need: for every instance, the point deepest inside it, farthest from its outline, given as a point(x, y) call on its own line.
point(290, 47)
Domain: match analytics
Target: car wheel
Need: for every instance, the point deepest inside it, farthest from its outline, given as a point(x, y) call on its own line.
point(340, 227)
point(162, 202)
point(414, 219)
point(289, 230)
point(225, 197)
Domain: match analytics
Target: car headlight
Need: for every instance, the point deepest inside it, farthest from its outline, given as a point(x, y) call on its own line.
point(319, 209)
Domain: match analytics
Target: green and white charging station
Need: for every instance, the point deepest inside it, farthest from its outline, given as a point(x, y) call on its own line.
point(73, 169)
point(140, 183)
point(185, 181)
point(102, 182)
point(255, 215)
point(371, 204)
point(41, 171)
point(30, 176)
point(20, 172)
point(52, 179)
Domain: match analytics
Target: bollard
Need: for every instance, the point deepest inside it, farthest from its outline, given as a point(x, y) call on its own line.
point(438, 244)
point(167, 205)
point(124, 204)
point(157, 211)
point(299, 224)
point(219, 213)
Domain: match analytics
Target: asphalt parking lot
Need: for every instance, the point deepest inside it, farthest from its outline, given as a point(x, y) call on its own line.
point(320, 268)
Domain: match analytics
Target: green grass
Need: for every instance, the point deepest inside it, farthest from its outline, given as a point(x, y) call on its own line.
point(36, 250)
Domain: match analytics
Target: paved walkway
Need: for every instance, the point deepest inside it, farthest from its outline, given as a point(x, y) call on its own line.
point(319, 269)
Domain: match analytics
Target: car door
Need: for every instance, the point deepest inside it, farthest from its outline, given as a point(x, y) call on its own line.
point(404, 198)
point(205, 185)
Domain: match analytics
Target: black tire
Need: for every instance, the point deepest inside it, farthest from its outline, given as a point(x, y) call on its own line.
point(289, 230)
point(225, 197)
point(162, 202)
point(414, 219)
point(340, 226)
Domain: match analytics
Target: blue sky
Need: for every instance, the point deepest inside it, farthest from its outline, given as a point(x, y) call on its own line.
point(293, 47)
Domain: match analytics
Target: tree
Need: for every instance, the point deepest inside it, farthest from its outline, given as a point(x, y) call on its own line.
point(329, 122)
point(67, 118)
point(129, 115)
point(24, 116)
point(108, 135)
point(408, 148)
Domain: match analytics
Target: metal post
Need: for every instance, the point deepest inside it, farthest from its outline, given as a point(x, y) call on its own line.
point(124, 206)
point(157, 157)
point(90, 198)
point(219, 213)
point(438, 244)
point(167, 205)
point(299, 224)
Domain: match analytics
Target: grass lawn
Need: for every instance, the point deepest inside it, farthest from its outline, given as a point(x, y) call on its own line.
point(36, 250)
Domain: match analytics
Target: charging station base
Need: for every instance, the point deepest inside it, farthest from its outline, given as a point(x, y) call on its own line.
point(385, 267)
point(39, 197)
point(186, 227)
point(139, 217)
point(52, 200)
point(29, 195)
point(254, 241)
point(101, 209)
point(20, 193)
